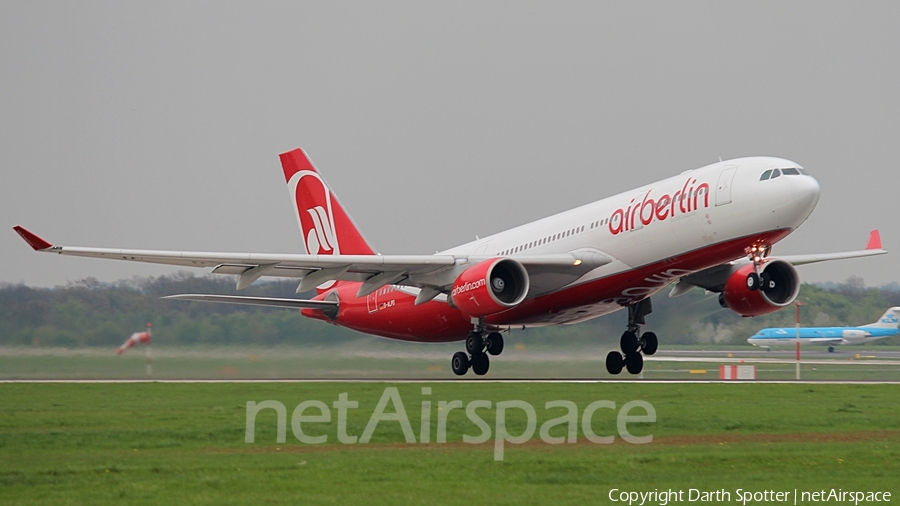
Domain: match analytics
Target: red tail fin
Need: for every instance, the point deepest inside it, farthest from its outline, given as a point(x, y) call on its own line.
point(327, 228)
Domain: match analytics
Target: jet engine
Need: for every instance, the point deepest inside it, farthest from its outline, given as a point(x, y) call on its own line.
point(778, 287)
point(490, 287)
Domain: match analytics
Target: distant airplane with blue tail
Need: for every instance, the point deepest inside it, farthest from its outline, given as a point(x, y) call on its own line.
point(886, 326)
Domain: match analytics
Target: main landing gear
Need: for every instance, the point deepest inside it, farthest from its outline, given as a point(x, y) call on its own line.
point(479, 344)
point(633, 343)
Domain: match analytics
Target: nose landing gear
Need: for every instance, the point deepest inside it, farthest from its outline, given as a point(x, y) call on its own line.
point(633, 344)
point(757, 253)
point(479, 344)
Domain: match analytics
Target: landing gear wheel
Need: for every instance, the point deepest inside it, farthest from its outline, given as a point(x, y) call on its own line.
point(634, 363)
point(831, 349)
point(649, 343)
point(460, 363)
point(480, 364)
point(614, 362)
point(629, 342)
point(495, 343)
point(753, 281)
point(474, 343)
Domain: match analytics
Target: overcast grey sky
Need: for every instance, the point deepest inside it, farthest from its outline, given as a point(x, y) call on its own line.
point(158, 124)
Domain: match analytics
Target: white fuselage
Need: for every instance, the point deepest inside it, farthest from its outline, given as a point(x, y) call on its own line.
point(724, 201)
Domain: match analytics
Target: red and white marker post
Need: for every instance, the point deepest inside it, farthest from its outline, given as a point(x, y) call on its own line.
point(140, 337)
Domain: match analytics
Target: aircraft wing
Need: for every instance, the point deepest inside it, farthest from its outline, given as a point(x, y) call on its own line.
point(873, 247)
point(827, 340)
point(714, 278)
point(433, 273)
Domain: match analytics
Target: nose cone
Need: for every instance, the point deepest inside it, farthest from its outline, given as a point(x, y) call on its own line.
point(805, 192)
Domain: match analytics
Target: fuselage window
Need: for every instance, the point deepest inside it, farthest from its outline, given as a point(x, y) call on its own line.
point(776, 173)
point(765, 175)
point(790, 172)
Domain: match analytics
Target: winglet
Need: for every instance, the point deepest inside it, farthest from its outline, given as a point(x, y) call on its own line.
point(33, 240)
point(874, 240)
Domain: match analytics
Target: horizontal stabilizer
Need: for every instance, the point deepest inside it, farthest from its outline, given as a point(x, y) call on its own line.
point(258, 301)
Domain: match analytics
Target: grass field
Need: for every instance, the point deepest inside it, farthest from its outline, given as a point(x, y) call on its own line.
point(152, 443)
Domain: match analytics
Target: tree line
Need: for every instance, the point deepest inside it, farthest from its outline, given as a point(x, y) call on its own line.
point(91, 313)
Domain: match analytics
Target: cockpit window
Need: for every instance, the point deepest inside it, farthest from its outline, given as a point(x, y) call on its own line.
point(765, 175)
point(790, 172)
point(776, 173)
point(803, 171)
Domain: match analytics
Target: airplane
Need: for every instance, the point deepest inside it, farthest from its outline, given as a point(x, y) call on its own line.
point(886, 326)
point(711, 227)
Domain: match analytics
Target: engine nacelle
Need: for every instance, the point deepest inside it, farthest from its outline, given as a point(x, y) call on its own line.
point(779, 287)
point(490, 287)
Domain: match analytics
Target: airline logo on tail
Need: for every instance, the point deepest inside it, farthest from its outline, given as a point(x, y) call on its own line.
point(312, 203)
point(888, 320)
point(327, 228)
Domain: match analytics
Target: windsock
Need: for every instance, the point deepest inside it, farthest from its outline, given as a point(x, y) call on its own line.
point(137, 337)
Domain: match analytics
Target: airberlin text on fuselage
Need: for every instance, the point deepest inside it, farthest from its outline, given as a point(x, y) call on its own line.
point(685, 201)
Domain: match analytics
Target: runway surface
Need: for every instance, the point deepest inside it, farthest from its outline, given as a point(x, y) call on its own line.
point(458, 380)
point(847, 365)
point(815, 356)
